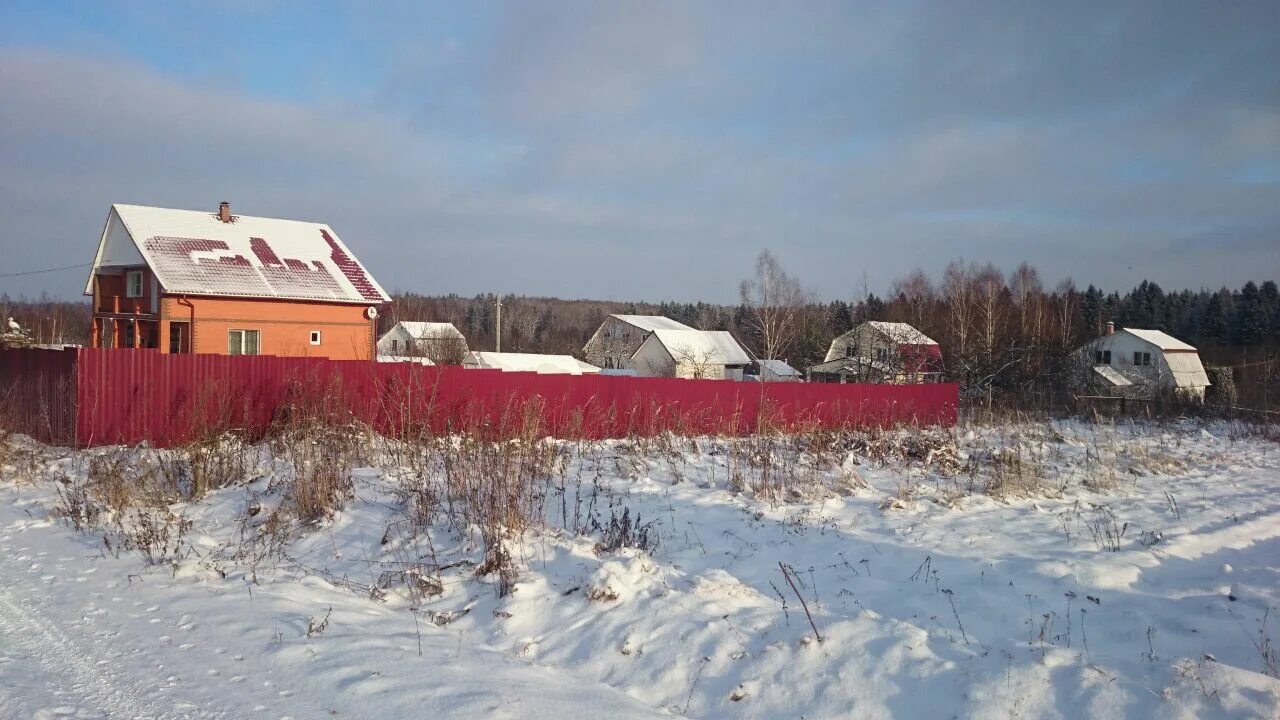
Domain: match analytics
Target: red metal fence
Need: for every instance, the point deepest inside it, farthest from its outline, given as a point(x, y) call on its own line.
point(96, 396)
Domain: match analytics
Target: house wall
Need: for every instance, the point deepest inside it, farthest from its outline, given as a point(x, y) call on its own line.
point(109, 292)
point(651, 359)
point(865, 339)
point(613, 344)
point(285, 326)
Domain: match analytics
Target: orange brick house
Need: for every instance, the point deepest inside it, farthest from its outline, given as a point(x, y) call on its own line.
point(184, 281)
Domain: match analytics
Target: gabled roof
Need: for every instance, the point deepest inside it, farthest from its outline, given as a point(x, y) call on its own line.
point(901, 333)
point(779, 368)
point(703, 346)
point(427, 330)
point(530, 362)
point(1160, 339)
point(194, 253)
point(649, 323)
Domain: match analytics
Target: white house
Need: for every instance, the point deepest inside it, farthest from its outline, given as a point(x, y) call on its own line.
point(428, 343)
point(529, 362)
point(619, 336)
point(779, 371)
point(881, 352)
point(694, 354)
point(1140, 363)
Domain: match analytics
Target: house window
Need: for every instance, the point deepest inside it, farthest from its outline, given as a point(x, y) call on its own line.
point(243, 342)
point(1101, 357)
point(1142, 359)
point(850, 351)
point(133, 284)
point(179, 337)
point(395, 346)
point(315, 337)
point(130, 333)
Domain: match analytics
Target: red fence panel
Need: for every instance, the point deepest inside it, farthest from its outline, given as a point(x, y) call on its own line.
point(37, 393)
point(99, 396)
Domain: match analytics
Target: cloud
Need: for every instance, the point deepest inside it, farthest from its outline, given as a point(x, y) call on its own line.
point(649, 150)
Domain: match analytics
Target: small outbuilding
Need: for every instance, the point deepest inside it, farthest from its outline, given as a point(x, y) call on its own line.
point(779, 371)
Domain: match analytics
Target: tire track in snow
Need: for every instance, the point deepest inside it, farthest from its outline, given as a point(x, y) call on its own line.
point(81, 677)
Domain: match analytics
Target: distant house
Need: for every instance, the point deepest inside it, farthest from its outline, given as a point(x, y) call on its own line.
point(185, 281)
point(881, 352)
point(619, 336)
point(778, 371)
point(529, 362)
point(693, 354)
point(1136, 363)
point(428, 343)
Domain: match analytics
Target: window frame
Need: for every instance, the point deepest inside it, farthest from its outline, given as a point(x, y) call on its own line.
point(129, 276)
point(244, 335)
point(315, 337)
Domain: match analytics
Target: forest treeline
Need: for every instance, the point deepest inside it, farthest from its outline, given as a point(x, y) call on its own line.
point(1003, 335)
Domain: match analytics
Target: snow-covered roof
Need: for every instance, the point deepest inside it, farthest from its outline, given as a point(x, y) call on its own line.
point(704, 346)
point(1187, 370)
point(901, 333)
point(529, 362)
point(418, 359)
point(194, 253)
point(779, 368)
point(649, 323)
point(427, 330)
point(1160, 339)
point(1112, 376)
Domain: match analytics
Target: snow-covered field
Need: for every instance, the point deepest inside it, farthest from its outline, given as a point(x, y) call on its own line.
point(1055, 570)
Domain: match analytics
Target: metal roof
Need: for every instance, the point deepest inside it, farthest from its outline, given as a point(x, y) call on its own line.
point(195, 253)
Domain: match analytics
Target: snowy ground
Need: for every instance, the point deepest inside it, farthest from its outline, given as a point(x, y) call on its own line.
point(1116, 572)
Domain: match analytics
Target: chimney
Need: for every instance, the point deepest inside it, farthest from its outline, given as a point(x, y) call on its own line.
point(1111, 328)
point(224, 211)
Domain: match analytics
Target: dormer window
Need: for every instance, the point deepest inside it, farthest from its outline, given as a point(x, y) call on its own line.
point(133, 284)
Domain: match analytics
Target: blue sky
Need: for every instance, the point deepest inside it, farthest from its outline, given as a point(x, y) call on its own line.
point(650, 150)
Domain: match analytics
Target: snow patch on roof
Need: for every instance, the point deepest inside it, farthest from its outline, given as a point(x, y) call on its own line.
point(901, 333)
point(1112, 376)
point(1160, 339)
point(194, 253)
point(429, 330)
point(649, 323)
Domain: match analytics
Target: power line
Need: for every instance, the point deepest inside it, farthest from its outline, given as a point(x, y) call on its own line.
point(45, 270)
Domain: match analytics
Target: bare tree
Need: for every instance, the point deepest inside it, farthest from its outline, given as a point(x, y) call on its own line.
point(773, 300)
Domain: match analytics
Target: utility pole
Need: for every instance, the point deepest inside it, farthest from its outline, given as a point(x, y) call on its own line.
point(497, 301)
